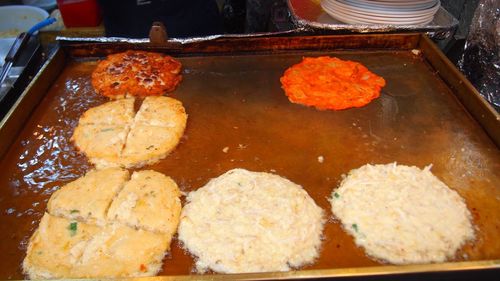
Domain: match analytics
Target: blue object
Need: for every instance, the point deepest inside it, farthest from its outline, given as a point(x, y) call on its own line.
point(40, 25)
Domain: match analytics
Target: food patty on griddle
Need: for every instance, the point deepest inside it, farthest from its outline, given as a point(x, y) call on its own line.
point(110, 136)
point(246, 221)
point(331, 83)
point(402, 214)
point(136, 73)
point(104, 225)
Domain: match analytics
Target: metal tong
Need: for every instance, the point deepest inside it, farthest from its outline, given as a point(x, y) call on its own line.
point(19, 44)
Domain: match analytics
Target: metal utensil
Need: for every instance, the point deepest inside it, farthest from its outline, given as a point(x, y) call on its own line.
point(19, 44)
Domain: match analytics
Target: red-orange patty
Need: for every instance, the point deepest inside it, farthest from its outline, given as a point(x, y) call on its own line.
point(136, 73)
point(331, 83)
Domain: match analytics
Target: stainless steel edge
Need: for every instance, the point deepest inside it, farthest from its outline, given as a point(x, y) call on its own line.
point(470, 98)
point(456, 267)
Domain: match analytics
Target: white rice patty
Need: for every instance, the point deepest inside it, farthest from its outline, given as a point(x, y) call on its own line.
point(245, 221)
point(402, 214)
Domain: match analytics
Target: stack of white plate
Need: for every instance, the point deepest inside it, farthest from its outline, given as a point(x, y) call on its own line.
point(392, 12)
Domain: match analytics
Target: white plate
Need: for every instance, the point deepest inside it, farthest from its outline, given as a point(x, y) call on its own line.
point(373, 19)
point(333, 3)
point(344, 10)
point(356, 19)
point(359, 20)
point(400, 1)
point(374, 14)
point(405, 6)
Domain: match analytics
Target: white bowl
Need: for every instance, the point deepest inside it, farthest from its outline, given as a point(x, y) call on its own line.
point(44, 4)
point(19, 18)
point(14, 20)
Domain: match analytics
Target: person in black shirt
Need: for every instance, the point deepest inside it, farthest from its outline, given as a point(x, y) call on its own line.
point(182, 18)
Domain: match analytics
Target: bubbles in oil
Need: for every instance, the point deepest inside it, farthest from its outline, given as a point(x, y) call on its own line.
point(79, 97)
point(48, 156)
point(23, 246)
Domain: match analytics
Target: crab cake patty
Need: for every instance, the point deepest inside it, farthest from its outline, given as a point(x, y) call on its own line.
point(120, 112)
point(88, 198)
point(145, 191)
point(246, 221)
point(126, 139)
point(121, 251)
point(55, 247)
point(136, 73)
point(402, 214)
point(81, 235)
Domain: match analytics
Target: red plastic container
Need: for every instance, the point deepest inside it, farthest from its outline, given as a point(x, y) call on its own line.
point(80, 13)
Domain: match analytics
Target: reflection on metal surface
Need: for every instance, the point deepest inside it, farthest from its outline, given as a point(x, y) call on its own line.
point(482, 111)
point(309, 14)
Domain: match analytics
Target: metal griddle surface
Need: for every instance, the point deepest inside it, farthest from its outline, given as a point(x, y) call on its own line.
point(236, 102)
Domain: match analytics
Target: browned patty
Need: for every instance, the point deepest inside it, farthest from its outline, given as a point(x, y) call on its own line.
point(331, 83)
point(136, 73)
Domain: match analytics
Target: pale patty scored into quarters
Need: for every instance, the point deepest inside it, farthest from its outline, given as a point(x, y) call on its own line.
point(402, 214)
point(111, 136)
point(246, 221)
point(105, 225)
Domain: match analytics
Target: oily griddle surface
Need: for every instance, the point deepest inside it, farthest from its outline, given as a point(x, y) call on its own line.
point(236, 102)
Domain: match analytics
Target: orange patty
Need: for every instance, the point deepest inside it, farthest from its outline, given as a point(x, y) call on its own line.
point(331, 83)
point(136, 73)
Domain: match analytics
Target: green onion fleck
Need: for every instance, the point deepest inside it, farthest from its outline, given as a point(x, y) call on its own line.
point(73, 226)
point(355, 226)
point(74, 211)
point(336, 195)
point(107, 130)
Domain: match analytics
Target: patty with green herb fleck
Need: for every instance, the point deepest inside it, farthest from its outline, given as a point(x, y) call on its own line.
point(88, 198)
point(402, 214)
point(113, 135)
point(104, 225)
point(245, 221)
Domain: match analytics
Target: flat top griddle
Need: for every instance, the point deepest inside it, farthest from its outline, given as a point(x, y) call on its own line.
point(234, 100)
